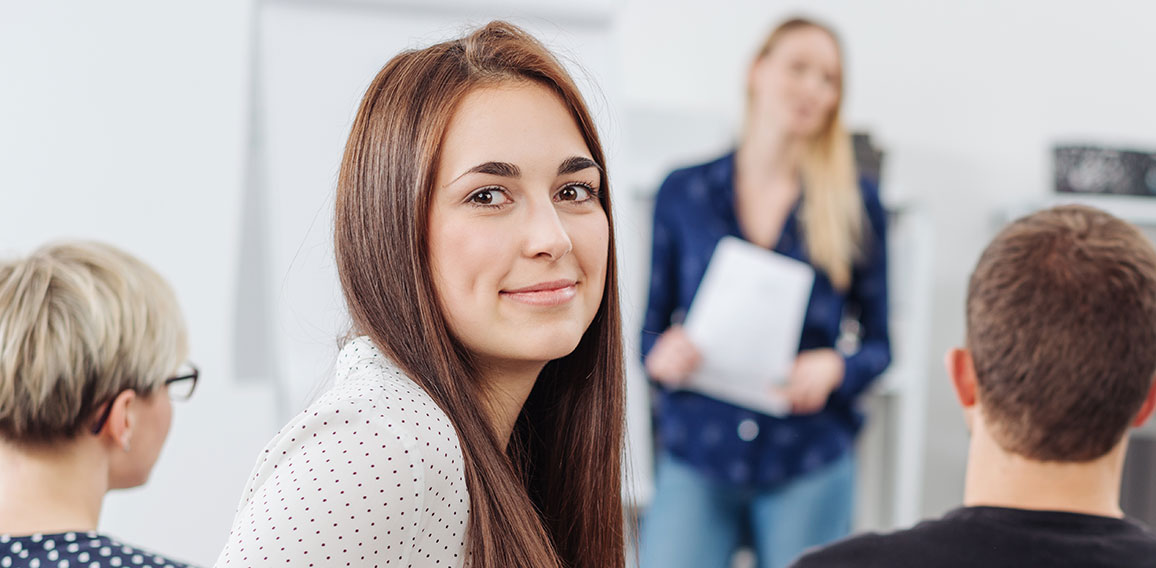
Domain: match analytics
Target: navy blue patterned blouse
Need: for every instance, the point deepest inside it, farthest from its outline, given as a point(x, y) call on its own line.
point(693, 210)
point(76, 550)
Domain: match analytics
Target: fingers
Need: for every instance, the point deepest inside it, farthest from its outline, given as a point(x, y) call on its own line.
point(805, 394)
point(808, 402)
point(814, 376)
point(673, 358)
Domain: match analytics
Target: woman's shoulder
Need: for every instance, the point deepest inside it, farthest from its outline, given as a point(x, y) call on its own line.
point(373, 461)
point(869, 188)
point(366, 378)
point(373, 413)
point(77, 549)
point(873, 202)
point(373, 399)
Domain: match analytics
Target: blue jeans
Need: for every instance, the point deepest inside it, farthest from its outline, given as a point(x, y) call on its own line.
point(696, 522)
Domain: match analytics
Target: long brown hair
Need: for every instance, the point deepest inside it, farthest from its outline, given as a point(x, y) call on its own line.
point(554, 498)
point(832, 206)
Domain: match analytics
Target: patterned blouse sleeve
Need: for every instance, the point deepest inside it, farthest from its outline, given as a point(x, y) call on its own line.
point(341, 485)
point(664, 261)
point(869, 293)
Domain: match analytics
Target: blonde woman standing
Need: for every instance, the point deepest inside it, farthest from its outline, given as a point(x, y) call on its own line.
point(791, 187)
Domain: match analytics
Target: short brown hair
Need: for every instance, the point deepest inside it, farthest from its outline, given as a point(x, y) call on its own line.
point(1061, 319)
point(79, 323)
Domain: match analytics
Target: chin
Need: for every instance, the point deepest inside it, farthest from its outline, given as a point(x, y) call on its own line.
point(129, 481)
point(806, 131)
point(550, 346)
point(128, 476)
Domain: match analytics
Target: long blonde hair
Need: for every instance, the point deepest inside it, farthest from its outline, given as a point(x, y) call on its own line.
point(832, 211)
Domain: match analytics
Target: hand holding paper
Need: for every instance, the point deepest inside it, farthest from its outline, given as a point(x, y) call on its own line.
point(817, 372)
point(746, 321)
point(673, 358)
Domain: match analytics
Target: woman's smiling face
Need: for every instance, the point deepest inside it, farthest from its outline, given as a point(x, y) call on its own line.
point(518, 238)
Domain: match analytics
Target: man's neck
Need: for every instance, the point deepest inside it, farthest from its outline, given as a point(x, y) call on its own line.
point(998, 478)
point(52, 489)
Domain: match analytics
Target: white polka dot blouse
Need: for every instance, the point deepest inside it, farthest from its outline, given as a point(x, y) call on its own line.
point(368, 475)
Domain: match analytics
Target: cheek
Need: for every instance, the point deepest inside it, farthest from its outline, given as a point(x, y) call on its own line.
point(465, 260)
point(162, 415)
point(831, 99)
point(591, 237)
point(784, 92)
point(764, 87)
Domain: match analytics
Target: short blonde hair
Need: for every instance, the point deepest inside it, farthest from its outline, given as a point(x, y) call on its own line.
point(80, 322)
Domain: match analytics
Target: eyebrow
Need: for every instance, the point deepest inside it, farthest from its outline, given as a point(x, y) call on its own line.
point(576, 164)
point(505, 169)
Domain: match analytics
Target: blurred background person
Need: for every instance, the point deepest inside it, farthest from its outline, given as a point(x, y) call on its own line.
point(791, 186)
point(92, 349)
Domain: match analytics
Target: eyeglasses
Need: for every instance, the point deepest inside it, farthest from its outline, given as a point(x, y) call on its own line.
point(180, 387)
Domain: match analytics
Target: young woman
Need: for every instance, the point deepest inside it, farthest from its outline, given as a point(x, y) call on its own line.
point(477, 416)
point(791, 187)
point(91, 347)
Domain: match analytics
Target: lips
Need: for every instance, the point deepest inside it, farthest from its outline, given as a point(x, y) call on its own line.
point(553, 293)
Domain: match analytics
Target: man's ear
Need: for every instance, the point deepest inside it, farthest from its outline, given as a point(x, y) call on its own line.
point(1146, 408)
point(121, 420)
point(961, 369)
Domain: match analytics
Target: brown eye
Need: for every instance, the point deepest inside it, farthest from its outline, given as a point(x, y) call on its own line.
point(483, 197)
point(576, 192)
point(489, 197)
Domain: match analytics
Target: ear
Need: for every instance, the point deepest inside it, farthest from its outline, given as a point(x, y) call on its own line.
point(1146, 409)
point(961, 369)
point(121, 420)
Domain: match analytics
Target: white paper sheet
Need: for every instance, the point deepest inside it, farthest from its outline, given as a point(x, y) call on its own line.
point(746, 320)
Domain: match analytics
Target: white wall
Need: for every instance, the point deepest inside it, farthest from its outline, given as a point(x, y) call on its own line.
point(966, 97)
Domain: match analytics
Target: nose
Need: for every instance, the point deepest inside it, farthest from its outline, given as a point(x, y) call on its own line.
point(545, 234)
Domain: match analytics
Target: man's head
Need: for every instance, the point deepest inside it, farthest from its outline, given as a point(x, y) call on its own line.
point(1061, 335)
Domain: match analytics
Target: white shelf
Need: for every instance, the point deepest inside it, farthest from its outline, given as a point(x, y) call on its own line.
point(1138, 210)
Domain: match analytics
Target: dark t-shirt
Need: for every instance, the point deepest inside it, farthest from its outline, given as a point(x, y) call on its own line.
point(995, 537)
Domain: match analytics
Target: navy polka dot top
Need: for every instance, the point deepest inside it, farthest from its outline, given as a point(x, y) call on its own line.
point(76, 550)
point(694, 209)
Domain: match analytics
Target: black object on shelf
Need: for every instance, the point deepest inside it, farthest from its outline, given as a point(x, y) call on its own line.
point(1098, 170)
